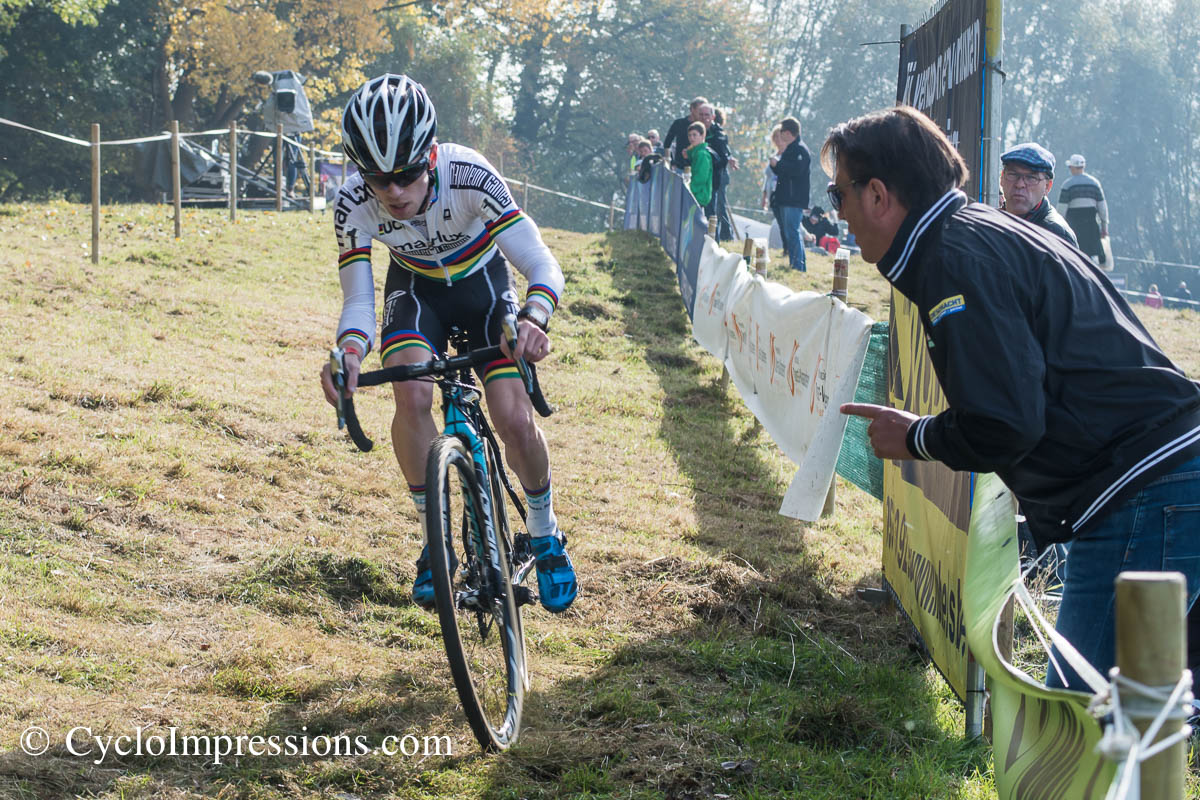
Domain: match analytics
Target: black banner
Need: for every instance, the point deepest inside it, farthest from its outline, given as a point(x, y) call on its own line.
point(941, 75)
point(664, 206)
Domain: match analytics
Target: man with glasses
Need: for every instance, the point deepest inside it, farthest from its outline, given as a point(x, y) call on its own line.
point(449, 224)
point(1026, 175)
point(1051, 380)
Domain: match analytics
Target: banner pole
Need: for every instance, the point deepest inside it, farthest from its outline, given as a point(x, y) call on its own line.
point(176, 189)
point(233, 187)
point(95, 193)
point(992, 90)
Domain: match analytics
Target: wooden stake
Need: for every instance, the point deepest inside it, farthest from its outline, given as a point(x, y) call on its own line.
point(233, 183)
point(1152, 650)
point(525, 198)
point(95, 193)
point(279, 166)
point(312, 179)
point(176, 187)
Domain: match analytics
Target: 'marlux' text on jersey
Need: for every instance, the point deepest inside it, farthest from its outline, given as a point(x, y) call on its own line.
point(440, 243)
point(465, 175)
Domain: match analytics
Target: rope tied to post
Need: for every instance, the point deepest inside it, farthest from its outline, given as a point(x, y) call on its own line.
point(1127, 700)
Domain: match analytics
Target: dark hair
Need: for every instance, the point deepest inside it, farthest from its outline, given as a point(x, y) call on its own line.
point(901, 147)
point(697, 126)
point(697, 101)
point(718, 116)
point(791, 125)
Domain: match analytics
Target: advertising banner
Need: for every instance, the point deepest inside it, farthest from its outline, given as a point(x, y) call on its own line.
point(926, 511)
point(941, 75)
point(1044, 739)
point(794, 357)
point(927, 507)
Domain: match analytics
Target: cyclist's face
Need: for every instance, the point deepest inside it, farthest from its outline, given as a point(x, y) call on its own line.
point(402, 202)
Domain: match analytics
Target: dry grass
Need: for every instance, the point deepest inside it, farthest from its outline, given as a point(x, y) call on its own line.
point(187, 541)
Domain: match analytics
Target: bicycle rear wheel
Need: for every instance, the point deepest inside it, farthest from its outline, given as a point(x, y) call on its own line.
point(476, 609)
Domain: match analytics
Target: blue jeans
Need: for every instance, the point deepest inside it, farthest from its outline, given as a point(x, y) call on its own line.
point(793, 235)
point(1156, 530)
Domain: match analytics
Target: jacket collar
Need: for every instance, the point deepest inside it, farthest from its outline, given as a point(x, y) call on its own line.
point(912, 232)
point(1039, 212)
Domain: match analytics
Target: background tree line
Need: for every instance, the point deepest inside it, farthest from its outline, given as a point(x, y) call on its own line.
point(551, 88)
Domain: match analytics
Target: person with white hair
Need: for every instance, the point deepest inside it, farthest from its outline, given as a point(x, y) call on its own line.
point(1081, 201)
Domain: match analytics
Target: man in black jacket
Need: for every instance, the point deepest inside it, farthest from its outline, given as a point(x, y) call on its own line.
point(791, 192)
point(677, 140)
point(1051, 381)
point(723, 159)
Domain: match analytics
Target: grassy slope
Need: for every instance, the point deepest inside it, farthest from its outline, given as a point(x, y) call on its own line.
point(186, 540)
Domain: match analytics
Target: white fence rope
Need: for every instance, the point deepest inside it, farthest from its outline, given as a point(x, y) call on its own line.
point(327, 153)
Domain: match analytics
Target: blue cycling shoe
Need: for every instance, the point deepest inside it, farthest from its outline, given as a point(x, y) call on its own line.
point(556, 575)
point(422, 590)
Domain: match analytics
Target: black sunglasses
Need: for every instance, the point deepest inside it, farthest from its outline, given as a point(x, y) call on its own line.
point(401, 177)
point(835, 193)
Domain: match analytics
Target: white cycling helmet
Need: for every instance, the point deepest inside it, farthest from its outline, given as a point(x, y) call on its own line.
point(389, 124)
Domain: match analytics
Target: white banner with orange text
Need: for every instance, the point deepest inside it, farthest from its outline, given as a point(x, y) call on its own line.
point(794, 357)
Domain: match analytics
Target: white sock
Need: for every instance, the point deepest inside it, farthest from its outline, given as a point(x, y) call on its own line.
point(540, 519)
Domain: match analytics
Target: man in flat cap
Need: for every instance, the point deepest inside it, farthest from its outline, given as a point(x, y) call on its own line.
point(1026, 175)
point(1082, 201)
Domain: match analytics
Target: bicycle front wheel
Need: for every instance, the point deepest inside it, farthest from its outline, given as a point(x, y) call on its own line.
point(474, 595)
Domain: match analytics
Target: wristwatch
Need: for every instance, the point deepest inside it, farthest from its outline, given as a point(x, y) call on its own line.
point(535, 314)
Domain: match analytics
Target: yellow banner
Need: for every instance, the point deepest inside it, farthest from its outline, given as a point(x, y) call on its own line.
point(927, 511)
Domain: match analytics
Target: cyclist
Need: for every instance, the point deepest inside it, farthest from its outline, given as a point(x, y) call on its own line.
point(449, 223)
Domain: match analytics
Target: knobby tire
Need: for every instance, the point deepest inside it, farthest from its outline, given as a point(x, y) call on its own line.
point(485, 649)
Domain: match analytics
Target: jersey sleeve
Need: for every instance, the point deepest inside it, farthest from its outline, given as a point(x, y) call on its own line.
point(356, 326)
point(487, 196)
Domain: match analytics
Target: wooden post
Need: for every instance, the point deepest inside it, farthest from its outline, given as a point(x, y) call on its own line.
point(612, 211)
point(841, 269)
point(525, 197)
point(1152, 650)
point(712, 227)
point(760, 259)
point(233, 183)
point(312, 179)
point(748, 252)
point(176, 188)
point(343, 169)
point(279, 166)
point(95, 193)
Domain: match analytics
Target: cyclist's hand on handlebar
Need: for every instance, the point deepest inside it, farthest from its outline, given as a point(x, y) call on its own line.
point(532, 343)
point(352, 363)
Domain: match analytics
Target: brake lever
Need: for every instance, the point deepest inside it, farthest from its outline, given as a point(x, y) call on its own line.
point(337, 367)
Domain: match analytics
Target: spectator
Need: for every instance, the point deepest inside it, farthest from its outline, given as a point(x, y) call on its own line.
point(770, 181)
point(677, 135)
point(1182, 297)
point(1099, 443)
point(700, 159)
point(631, 143)
point(655, 142)
point(791, 193)
point(1082, 202)
point(823, 232)
point(1153, 298)
point(1026, 175)
point(646, 166)
point(718, 144)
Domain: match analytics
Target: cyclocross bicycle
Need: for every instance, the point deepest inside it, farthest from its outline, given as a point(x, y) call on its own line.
point(478, 565)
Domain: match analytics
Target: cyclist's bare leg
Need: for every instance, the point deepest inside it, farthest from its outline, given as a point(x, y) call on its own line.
point(525, 447)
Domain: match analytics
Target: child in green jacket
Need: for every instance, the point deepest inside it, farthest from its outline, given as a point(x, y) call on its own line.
point(700, 158)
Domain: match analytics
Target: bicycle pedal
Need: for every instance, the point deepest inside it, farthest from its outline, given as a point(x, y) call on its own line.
point(524, 596)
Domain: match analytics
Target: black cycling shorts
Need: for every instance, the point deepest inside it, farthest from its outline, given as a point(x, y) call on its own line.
point(419, 312)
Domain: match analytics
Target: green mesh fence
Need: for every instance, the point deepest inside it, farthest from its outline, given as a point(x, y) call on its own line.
point(856, 461)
